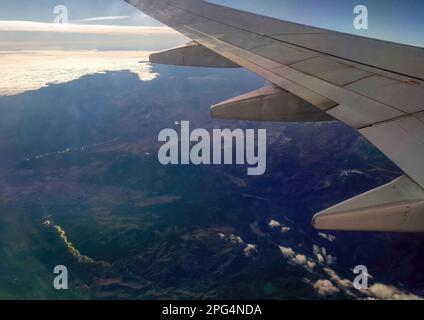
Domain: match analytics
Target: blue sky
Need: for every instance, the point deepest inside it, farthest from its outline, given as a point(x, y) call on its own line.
point(394, 20)
point(42, 10)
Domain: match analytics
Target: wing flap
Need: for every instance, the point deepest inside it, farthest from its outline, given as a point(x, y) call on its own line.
point(269, 104)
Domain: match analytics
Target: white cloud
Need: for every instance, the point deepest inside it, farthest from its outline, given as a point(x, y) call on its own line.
point(345, 283)
point(322, 256)
point(236, 239)
point(328, 237)
point(285, 229)
point(385, 292)
point(274, 224)
point(31, 70)
point(287, 252)
point(232, 238)
point(297, 259)
point(310, 265)
point(300, 259)
point(376, 291)
point(325, 287)
point(31, 26)
point(318, 255)
point(334, 283)
point(250, 250)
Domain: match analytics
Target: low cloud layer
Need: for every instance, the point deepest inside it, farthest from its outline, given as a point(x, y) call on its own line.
point(31, 26)
point(385, 292)
point(331, 283)
point(30, 35)
point(31, 70)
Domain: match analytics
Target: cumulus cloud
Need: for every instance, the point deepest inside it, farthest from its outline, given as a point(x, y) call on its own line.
point(250, 250)
point(345, 283)
point(376, 291)
point(322, 256)
point(331, 283)
point(300, 259)
point(310, 265)
point(385, 292)
point(231, 238)
point(38, 69)
point(325, 287)
point(273, 224)
point(287, 252)
point(297, 259)
point(328, 237)
point(285, 229)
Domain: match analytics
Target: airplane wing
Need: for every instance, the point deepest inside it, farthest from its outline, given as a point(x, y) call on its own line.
point(374, 86)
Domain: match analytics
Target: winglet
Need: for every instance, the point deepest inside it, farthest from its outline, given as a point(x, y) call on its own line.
point(395, 207)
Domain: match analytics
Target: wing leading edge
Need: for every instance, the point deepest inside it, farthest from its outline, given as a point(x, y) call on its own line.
point(377, 89)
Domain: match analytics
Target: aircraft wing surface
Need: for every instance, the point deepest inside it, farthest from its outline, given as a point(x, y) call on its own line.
point(374, 86)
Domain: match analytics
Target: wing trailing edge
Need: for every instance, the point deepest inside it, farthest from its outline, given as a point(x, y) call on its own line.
point(395, 207)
